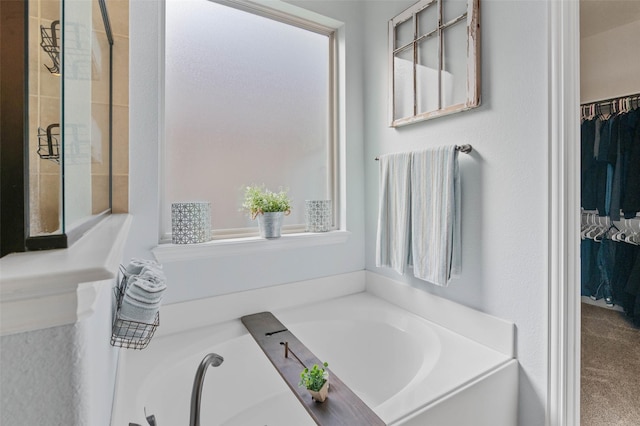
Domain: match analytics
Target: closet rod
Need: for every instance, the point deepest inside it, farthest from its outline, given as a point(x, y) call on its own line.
point(462, 148)
point(626, 103)
point(610, 100)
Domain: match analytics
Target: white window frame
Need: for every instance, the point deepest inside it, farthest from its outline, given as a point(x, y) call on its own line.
point(301, 18)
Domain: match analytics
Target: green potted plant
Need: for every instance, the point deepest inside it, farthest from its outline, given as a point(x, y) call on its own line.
point(316, 381)
point(268, 207)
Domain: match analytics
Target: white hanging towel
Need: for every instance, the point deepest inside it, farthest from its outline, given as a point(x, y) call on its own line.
point(435, 214)
point(393, 237)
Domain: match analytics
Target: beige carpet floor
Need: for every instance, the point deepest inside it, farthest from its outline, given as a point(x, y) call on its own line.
point(610, 369)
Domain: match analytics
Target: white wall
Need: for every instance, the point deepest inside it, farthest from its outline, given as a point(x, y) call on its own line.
point(61, 375)
point(208, 277)
point(609, 65)
point(504, 180)
point(31, 392)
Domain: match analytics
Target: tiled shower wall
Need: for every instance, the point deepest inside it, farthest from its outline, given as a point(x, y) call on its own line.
point(119, 17)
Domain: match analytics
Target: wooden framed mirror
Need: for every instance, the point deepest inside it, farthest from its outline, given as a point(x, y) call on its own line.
point(434, 60)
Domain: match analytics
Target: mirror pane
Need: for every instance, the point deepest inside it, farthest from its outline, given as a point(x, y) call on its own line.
point(403, 90)
point(404, 33)
point(428, 19)
point(451, 9)
point(454, 72)
point(427, 75)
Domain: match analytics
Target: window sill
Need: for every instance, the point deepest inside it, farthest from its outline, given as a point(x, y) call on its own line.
point(249, 245)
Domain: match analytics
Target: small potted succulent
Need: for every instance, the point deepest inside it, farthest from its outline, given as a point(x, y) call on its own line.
point(268, 207)
point(316, 381)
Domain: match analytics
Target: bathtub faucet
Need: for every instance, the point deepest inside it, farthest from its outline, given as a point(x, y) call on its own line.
point(211, 359)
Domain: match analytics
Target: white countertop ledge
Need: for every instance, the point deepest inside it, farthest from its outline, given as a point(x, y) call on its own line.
point(241, 246)
point(32, 279)
point(94, 257)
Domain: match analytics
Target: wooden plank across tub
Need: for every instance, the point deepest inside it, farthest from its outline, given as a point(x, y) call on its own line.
point(342, 407)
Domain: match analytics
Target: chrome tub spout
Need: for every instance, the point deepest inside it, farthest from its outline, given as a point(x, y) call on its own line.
point(213, 360)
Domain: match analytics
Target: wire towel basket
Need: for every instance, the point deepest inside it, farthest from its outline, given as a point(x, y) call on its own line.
point(126, 333)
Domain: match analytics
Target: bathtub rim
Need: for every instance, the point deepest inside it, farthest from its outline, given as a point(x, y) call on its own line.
point(488, 330)
point(392, 409)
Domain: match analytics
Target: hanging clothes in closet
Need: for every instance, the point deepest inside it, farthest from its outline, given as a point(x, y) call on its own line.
point(610, 199)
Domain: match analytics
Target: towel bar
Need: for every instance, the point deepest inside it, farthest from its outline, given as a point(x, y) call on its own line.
point(462, 148)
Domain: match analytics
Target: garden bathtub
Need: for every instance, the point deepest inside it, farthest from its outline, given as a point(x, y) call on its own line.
point(408, 369)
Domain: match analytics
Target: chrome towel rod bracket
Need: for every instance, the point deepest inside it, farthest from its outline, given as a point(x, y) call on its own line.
point(462, 148)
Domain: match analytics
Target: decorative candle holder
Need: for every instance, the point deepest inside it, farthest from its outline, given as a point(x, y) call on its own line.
point(190, 222)
point(317, 215)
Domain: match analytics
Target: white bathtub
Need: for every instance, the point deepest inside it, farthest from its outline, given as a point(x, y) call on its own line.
point(416, 372)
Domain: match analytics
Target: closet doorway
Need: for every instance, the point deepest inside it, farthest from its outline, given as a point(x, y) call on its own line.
point(610, 202)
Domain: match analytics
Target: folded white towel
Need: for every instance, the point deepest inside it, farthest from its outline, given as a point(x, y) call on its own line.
point(142, 304)
point(393, 236)
point(150, 273)
point(133, 310)
point(155, 278)
point(435, 214)
point(145, 290)
point(143, 293)
point(144, 298)
point(136, 265)
point(146, 286)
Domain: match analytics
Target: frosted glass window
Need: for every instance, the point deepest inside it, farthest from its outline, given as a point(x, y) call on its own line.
point(248, 100)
